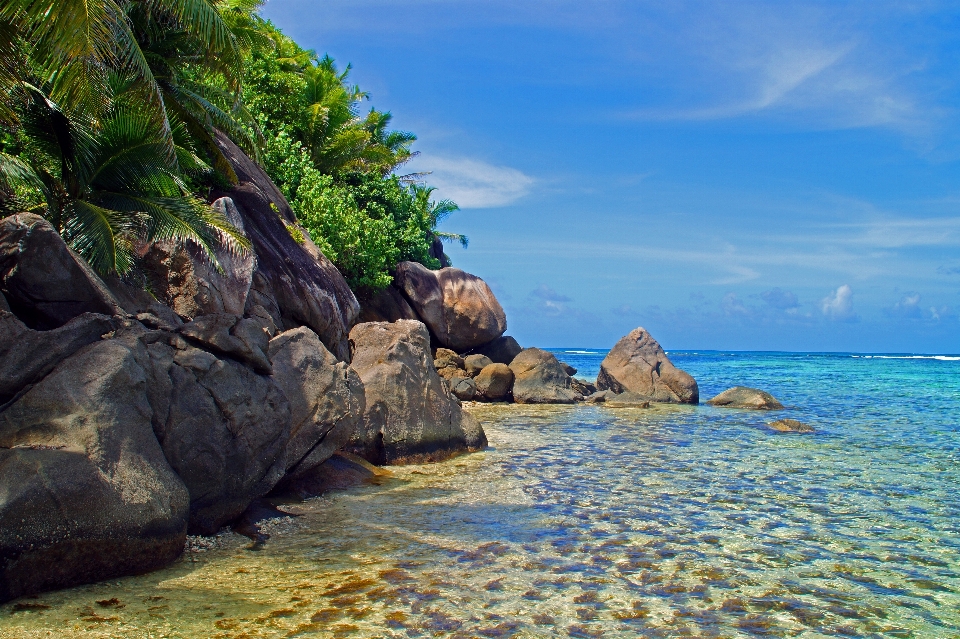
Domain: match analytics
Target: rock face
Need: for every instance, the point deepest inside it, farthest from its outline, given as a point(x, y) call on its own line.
point(142, 305)
point(494, 382)
point(458, 308)
point(222, 427)
point(188, 282)
point(388, 305)
point(44, 282)
point(409, 415)
point(26, 355)
point(501, 350)
point(85, 491)
point(791, 426)
point(744, 397)
point(637, 363)
point(295, 283)
point(326, 399)
point(240, 338)
point(540, 379)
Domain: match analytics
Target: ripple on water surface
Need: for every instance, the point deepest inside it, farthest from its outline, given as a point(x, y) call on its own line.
point(588, 522)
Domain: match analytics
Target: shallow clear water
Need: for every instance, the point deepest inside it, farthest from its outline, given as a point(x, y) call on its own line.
point(585, 521)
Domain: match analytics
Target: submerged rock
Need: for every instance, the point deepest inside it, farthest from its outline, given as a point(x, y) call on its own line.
point(791, 426)
point(326, 399)
point(409, 415)
point(637, 363)
point(459, 308)
point(341, 471)
point(745, 397)
point(540, 379)
point(85, 491)
point(628, 399)
point(44, 282)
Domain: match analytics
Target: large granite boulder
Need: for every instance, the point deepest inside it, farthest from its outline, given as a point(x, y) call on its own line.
point(294, 282)
point(473, 364)
point(44, 282)
point(26, 355)
point(409, 415)
point(745, 397)
point(223, 428)
point(500, 351)
point(388, 305)
point(85, 491)
point(494, 382)
point(240, 338)
point(142, 305)
point(326, 399)
point(637, 363)
point(185, 279)
point(458, 308)
point(540, 379)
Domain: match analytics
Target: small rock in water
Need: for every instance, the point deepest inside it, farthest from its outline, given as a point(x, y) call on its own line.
point(791, 426)
point(745, 397)
point(628, 399)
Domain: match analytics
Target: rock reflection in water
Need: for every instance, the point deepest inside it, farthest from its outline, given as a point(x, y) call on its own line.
point(581, 522)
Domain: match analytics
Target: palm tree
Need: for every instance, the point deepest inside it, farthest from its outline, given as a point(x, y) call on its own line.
point(109, 186)
point(435, 212)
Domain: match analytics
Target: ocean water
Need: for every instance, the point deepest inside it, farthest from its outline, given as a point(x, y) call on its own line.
point(585, 521)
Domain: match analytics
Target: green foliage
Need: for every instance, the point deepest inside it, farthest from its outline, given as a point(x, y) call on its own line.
point(365, 225)
point(110, 185)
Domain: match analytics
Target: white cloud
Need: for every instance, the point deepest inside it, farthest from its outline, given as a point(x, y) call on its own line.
point(474, 184)
point(838, 305)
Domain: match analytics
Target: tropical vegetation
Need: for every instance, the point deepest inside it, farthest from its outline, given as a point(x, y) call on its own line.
point(108, 116)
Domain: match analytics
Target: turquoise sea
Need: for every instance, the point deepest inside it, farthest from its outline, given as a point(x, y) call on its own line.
point(585, 521)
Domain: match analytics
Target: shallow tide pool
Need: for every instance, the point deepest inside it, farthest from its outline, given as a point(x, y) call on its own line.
point(586, 522)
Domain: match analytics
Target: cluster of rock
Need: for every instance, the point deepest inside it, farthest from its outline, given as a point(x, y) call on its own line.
point(128, 419)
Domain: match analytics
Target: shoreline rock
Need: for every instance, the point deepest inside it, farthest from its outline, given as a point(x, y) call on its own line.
point(745, 397)
point(637, 363)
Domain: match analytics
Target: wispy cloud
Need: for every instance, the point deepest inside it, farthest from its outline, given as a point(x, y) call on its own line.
point(474, 184)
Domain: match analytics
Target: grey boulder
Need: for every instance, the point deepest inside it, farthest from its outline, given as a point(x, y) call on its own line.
point(388, 305)
point(222, 427)
point(464, 389)
point(44, 282)
point(459, 308)
point(473, 364)
point(540, 379)
point(26, 355)
point(85, 491)
point(745, 397)
point(494, 382)
point(294, 282)
point(409, 414)
point(501, 350)
point(637, 363)
point(240, 338)
point(326, 399)
point(186, 280)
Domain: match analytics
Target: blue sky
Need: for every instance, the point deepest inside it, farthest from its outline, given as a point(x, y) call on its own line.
point(730, 175)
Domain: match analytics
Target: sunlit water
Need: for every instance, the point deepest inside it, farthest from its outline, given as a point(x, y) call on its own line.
point(585, 521)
